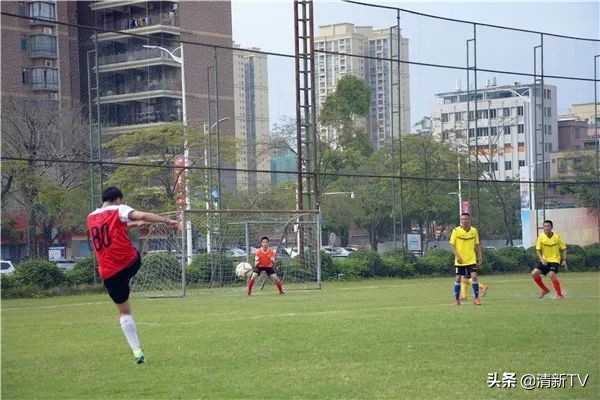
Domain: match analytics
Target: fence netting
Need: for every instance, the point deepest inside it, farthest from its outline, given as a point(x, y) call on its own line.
point(413, 128)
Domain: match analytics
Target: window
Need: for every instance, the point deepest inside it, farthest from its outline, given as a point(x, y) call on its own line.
point(493, 131)
point(471, 132)
point(548, 147)
point(521, 163)
point(444, 117)
point(507, 165)
point(548, 129)
point(471, 115)
point(23, 42)
point(520, 128)
point(493, 113)
point(494, 165)
point(520, 110)
point(506, 112)
point(22, 9)
point(482, 114)
point(507, 130)
point(44, 78)
point(42, 10)
point(457, 116)
point(43, 46)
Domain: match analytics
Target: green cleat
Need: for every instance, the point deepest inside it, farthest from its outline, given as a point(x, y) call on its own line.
point(139, 356)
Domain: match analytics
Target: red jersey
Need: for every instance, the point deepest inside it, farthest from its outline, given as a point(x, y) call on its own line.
point(107, 227)
point(264, 258)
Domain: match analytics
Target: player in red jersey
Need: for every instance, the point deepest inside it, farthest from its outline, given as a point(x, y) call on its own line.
point(264, 261)
point(118, 260)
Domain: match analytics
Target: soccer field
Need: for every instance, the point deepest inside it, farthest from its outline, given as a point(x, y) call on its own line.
point(350, 340)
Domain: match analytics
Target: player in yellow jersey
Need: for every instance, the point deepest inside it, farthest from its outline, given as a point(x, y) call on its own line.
point(464, 243)
point(552, 252)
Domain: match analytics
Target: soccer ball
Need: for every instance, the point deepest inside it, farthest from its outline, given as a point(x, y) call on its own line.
point(243, 270)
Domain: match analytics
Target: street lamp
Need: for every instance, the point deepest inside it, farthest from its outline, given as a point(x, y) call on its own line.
point(186, 151)
point(207, 156)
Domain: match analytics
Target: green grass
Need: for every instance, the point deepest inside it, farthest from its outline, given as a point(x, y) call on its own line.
point(350, 340)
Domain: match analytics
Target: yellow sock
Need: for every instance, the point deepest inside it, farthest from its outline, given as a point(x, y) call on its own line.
point(463, 289)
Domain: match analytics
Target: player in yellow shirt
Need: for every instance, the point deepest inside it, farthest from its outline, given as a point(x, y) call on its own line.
point(551, 252)
point(464, 242)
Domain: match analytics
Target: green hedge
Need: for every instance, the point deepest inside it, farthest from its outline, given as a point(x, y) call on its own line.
point(440, 262)
point(36, 277)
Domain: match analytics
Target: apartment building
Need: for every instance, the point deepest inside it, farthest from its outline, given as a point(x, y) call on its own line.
point(505, 126)
point(251, 92)
point(137, 87)
point(39, 57)
point(390, 94)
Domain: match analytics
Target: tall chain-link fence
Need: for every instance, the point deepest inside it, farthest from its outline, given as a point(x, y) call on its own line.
point(419, 118)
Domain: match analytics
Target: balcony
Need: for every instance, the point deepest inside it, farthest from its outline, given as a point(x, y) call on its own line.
point(42, 46)
point(137, 91)
point(140, 120)
point(38, 86)
point(137, 87)
point(134, 59)
point(108, 4)
point(167, 22)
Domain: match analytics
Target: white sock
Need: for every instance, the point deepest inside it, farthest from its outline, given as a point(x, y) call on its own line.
point(130, 331)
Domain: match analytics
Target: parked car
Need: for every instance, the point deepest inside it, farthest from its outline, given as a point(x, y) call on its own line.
point(236, 252)
point(6, 267)
point(66, 265)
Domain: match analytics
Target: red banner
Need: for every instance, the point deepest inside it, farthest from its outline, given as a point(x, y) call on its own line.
point(465, 207)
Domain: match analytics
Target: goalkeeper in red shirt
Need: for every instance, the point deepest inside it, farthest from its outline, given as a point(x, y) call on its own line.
point(264, 261)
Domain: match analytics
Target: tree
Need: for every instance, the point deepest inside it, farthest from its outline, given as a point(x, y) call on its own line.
point(50, 142)
point(342, 110)
point(579, 167)
point(426, 201)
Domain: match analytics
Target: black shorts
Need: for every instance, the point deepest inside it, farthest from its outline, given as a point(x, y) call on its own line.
point(465, 270)
point(269, 270)
point(547, 268)
point(118, 284)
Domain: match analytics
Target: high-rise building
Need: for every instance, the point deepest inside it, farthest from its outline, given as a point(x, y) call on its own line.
point(39, 57)
point(137, 87)
point(510, 139)
point(251, 93)
point(390, 94)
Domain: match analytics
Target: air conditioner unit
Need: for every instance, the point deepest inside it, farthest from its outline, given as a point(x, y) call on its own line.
point(173, 7)
point(48, 63)
point(53, 96)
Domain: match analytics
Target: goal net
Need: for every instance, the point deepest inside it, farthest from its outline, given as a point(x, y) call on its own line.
point(205, 251)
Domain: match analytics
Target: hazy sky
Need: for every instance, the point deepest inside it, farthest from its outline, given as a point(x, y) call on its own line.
point(269, 25)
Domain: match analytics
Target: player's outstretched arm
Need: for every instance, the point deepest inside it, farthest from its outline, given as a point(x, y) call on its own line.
point(136, 224)
point(137, 215)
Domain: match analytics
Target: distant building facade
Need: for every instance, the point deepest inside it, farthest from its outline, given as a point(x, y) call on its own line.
point(390, 91)
point(251, 92)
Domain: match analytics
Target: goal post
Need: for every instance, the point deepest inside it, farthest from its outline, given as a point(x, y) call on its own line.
point(220, 239)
